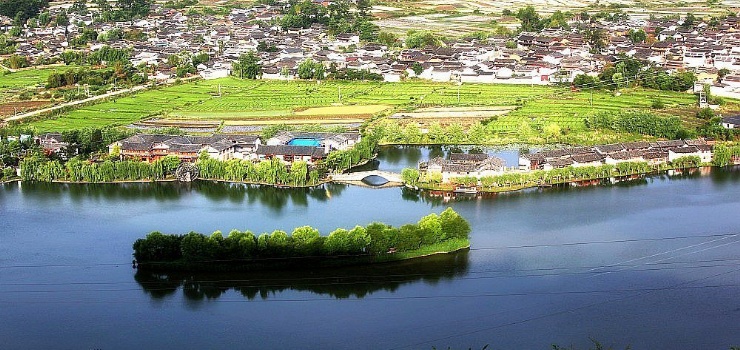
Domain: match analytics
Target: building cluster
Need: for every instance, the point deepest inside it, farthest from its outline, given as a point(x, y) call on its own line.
point(463, 165)
point(652, 152)
point(286, 146)
point(534, 58)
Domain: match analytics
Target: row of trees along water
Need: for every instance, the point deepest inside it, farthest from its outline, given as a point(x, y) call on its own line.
point(274, 171)
point(39, 168)
point(555, 176)
point(725, 153)
point(306, 241)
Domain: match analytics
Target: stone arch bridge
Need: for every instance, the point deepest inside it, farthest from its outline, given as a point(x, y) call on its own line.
point(360, 175)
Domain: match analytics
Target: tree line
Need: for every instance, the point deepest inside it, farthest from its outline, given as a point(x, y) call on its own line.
point(272, 171)
point(338, 17)
point(118, 74)
point(724, 154)
point(77, 169)
point(248, 66)
point(21, 10)
point(627, 71)
point(306, 241)
point(105, 54)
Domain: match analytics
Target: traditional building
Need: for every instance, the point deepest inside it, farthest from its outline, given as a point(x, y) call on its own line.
point(289, 154)
point(150, 148)
point(52, 143)
point(464, 165)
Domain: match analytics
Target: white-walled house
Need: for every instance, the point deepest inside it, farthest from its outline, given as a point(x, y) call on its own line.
point(731, 122)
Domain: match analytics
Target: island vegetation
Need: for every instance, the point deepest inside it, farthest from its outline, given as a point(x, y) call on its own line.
point(305, 247)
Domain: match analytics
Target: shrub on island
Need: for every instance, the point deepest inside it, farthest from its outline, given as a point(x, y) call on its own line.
point(445, 232)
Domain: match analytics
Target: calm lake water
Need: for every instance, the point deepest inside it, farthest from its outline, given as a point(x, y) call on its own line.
point(653, 264)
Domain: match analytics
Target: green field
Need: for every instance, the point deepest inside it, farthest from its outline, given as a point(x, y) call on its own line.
point(232, 99)
point(12, 83)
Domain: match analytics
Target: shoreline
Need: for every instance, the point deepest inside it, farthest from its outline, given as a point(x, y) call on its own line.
point(627, 177)
point(445, 188)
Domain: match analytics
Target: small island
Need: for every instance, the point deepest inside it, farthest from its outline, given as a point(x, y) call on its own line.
point(304, 248)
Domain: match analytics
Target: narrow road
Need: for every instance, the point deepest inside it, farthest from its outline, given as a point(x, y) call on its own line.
point(89, 99)
point(75, 103)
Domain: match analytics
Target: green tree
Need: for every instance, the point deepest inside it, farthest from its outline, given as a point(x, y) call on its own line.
point(689, 21)
point(17, 61)
point(280, 244)
point(417, 68)
point(410, 176)
point(453, 224)
point(551, 131)
point(62, 19)
point(637, 36)
point(79, 7)
point(22, 10)
point(425, 38)
point(309, 69)
point(431, 227)
point(338, 242)
point(596, 38)
point(530, 20)
point(306, 241)
point(247, 66)
point(584, 81)
point(387, 38)
point(129, 9)
point(721, 155)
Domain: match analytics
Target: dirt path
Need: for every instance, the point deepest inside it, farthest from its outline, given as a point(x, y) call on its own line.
point(90, 99)
point(74, 103)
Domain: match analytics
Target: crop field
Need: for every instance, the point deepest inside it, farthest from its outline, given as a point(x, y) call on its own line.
point(454, 18)
point(569, 109)
point(247, 102)
point(232, 99)
point(13, 85)
point(29, 78)
point(9, 108)
point(389, 7)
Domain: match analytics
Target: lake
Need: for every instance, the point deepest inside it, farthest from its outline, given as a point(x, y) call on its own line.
point(653, 264)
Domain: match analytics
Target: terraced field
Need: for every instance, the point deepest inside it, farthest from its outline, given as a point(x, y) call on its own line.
point(457, 18)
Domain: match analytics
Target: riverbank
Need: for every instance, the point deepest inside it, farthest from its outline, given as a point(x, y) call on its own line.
point(9, 181)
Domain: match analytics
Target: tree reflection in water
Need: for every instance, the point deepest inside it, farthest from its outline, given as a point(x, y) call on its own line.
point(350, 282)
point(269, 196)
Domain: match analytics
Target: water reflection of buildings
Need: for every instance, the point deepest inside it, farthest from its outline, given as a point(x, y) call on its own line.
point(351, 282)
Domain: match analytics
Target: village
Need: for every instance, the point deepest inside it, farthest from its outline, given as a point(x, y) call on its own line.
point(710, 49)
point(167, 38)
